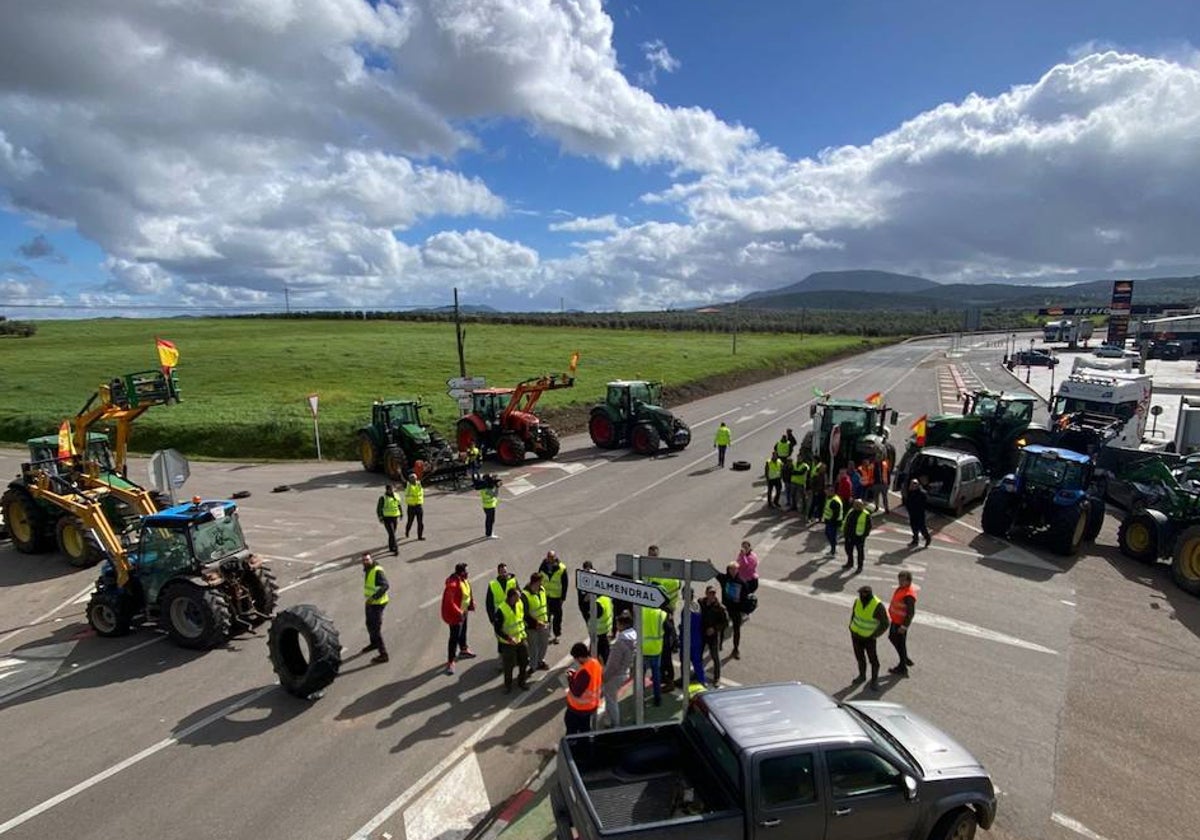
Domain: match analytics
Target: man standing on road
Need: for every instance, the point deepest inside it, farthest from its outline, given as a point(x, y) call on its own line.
point(773, 471)
point(733, 593)
point(855, 530)
point(652, 648)
point(900, 613)
point(375, 591)
point(880, 478)
point(916, 501)
point(489, 494)
point(832, 517)
point(414, 499)
point(474, 460)
point(456, 603)
point(537, 620)
point(497, 593)
point(713, 621)
point(583, 690)
point(510, 632)
point(388, 511)
point(844, 486)
point(617, 668)
point(816, 489)
point(868, 621)
point(782, 448)
point(721, 441)
point(554, 576)
point(798, 487)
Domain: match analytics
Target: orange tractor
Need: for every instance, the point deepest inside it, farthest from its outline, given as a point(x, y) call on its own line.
point(502, 419)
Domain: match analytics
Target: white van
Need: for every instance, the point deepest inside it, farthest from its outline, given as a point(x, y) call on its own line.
point(952, 479)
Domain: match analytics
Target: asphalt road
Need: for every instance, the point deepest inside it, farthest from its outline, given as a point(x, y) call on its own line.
point(1075, 682)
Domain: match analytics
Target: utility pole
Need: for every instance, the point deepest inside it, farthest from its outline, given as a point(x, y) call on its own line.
point(458, 337)
point(735, 326)
point(287, 301)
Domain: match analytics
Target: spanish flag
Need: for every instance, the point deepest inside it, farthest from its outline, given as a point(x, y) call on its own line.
point(918, 428)
point(168, 354)
point(66, 447)
point(875, 399)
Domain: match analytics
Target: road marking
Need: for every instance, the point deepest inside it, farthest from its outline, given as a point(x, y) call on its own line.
point(452, 807)
point(554, 537)
point(74, 671)
point(54, 801)
point(70, 601)
point(1068, 603)
point(326, 546)
point(279, 558)
point(517, 486)
point(924, 618)
point(1076, 826)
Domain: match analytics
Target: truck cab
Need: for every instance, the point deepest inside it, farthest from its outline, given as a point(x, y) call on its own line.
point(1125, 397)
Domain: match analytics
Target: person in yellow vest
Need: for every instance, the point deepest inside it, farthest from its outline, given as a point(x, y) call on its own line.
point(798, 487)
point(537, 621)
point(721, 441)
point(388, 512)
point(375, 592)
point(457, 603)
point(583, 690)
point(868, 621)
point(489, 495)
point(652, 648)
point(497, 591)
point(831, 515)
point(900, 615)
point(773, 471)
point(855, 529)
point(474, 460)
point(510, 633)
point(604, 614)
point(554, 574)
point(414, 500)
point(783, 448)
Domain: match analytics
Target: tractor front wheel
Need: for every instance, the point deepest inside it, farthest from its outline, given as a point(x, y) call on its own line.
point(1185, 568)
point(645, 439)
point(603, 430)
point(1067, 527)
point(395, 464)
point(550, 444)
point(26, 522)
point(1095, 518)
point(368, 452)
point(195, 616)
point(510, 449)
point(76, 542)
point(1138, 538)
point(108, 613)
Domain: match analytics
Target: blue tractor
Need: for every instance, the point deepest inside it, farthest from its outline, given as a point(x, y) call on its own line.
point(189, 569)
point(1049, 496)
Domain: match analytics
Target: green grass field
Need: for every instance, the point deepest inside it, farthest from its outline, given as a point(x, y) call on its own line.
point(244, 382)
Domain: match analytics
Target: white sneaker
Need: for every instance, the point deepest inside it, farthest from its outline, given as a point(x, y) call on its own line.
point(493, 536)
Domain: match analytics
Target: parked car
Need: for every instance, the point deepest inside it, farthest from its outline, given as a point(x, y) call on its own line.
point(952, 478)
point(1034, 358)
point(1110, 351)
point(1167, 350)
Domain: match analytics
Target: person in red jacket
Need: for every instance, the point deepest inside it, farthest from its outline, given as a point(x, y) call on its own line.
point(456, 604)
point(844, 486)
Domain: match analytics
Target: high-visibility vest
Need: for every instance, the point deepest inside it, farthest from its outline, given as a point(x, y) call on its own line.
point(897, 609)
point(473, 454)
point(391, 505)
point(652, 631)
point(724, 436)
point(670, 588)
point(499, 590)
point(860, 526)
point(538, 609)
point(866, 475)
point(554, 581)
point(514, 623)
point(863, 621)
point(465, 586)
point(604, 617)
point(800, 473)
point(414, 494)
point(589, 701)
point(783, 448)
point(369, 588)
point(833, 510)
point(489, 497)
point(774, 469)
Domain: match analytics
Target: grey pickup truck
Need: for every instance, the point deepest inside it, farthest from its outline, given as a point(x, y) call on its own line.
point(782, 761)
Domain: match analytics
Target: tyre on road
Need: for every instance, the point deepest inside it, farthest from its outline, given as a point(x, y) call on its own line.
point(645, 439)
point(305, 650)
point(76, 542)
point(1067, 527)
point(27, 523)
point(740, 466)
point(602, 430)
point(1137, 538)
point(195, 616)
point(1185, 567)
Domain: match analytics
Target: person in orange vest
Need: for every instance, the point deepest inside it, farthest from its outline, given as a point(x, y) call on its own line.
point(878, 488)
point(583, 690)
point(900, 613)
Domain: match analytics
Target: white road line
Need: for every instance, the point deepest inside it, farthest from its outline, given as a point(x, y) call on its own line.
point(1076, 826)
point(554, 537)
point(754, 504)
point(1068, 603)
point(54, 801)
point(72, 600)
point(452, 807)
point(327, 546)
point(279, 558)
point(75, 671)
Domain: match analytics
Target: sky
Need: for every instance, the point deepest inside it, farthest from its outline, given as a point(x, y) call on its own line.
point(207, 155)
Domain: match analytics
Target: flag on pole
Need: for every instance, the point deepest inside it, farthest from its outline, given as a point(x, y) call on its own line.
point(168, 354)
point(919, 428)
point(574, 362)
point(875, 399)
point(66, 447)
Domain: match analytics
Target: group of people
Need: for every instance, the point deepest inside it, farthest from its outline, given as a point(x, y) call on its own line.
point(389, 510)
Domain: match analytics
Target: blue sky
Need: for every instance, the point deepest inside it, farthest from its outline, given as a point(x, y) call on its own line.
point(1019, 141)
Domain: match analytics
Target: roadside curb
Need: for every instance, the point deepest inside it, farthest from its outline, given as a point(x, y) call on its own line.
point(504, 814)
point(1027, 386)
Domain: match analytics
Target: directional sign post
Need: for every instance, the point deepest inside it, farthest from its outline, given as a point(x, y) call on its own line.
point(461, 388)
point(644, 594)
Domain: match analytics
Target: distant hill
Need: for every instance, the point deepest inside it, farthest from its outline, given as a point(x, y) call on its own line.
point(851, 281)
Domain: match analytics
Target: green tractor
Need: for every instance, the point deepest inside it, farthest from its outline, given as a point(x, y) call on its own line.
point(1050, 495)
point(993, 428)
point(398, 443)
point(846, 432)
point(632, 415)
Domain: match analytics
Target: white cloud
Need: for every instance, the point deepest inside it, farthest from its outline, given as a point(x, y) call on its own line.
point(584, 224)
point(658, 57)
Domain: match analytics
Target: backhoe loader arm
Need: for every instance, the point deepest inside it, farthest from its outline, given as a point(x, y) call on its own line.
point(120, 402)
point(77, 501)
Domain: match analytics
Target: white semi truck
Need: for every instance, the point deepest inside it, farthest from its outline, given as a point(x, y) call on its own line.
point(1125, 396)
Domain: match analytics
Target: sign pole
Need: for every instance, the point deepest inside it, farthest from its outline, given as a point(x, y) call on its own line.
point(639, 677)
point(593, 636)
point(317, 435)
point(687, 634)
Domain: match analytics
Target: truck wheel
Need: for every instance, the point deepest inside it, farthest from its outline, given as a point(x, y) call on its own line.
point(395, 464)
point(1067, 527)
point(108, 613)
point(603, 430)
point(510, 449)
point(1185, 568)
point(1095, 518)
point(26, 521)
point(645, 439)
point(997, 514)
point(368, 452)
point(194, 616)
point(76, 542)
point(550, 444)
point(305, 650)
point(1138, 538)
point(957, 825)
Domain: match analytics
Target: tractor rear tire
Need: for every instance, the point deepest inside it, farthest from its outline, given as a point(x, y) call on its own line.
point(368, 452)
point(1138, 538)
point(1185, 567)
point(305, 650)
point(28, 525)
point(194, 616)
point(1067, 527)
point(1095, 520)
point(603, 430)
point(645, 439)
point(550, 444)
point(395, 464)
point(108, 613)
point(264, 591)
point(77, 543)
point(510, 449)
point(997, 517)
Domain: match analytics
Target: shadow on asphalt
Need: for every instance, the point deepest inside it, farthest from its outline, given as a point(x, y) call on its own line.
point(862, 691)
point(442, 552)
point(378, 699)
point(1160, 587)
point(706, 470)
point(17, 569)
point(355, 478)
point(274, 708)
point(986, 545)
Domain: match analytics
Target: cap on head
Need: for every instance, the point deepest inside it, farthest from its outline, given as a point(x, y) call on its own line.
point(412, 476)
point(587, 564)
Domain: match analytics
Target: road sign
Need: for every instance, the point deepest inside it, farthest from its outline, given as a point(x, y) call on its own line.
point(312, 404)
point(466, 383)
point(645, 594)
point(666, 567)
point(169, 471)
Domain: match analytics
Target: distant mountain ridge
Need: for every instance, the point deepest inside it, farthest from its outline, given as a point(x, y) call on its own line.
point(852, 281)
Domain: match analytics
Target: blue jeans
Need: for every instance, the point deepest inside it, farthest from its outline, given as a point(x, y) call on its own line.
point(831, 534)
point(653, 664)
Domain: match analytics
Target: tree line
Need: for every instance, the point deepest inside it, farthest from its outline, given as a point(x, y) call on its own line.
point(16, 329)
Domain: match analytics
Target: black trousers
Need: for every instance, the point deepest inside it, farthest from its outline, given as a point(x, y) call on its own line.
point(515, 656)
point(670, 636)
point(602, 647)
point(855, 545)
point(917, 523)
point(864, 651)
point(774, 487)
point(489, 520)
point(374, 623)
point(578, 722)
point(713, 645)
point(415, 513)
point(389, 525)
point(721, 456)
point(900, 643)
point(554, 605)
point(735, 618)
point(458, 640)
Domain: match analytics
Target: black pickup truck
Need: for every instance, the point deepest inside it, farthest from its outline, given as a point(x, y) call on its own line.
point(782, 761)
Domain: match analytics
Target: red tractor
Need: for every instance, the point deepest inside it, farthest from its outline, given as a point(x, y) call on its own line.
point(502, 419)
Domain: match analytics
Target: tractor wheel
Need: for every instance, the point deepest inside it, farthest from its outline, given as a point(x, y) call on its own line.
point(264, 591)
point(510, 449)
point(108, 613)
point(76, 542)
point(603, 430)
point(998, 514)
point(395, 464)
point(1095, 518)
point(305, 650)
point(645, 439)
point(1067, 527)
point(1185, 568)
point(1138, 538)
point(550, 444)
point(368, 452)
point(681, 435)
point(195, 616)
point(26, 521)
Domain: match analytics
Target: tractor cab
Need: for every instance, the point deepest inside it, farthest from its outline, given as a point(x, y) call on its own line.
point(43, 453)
point(395, 413)
point(1050, 469)
point(183, 540)
point(490, 403)
point(626, 397)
